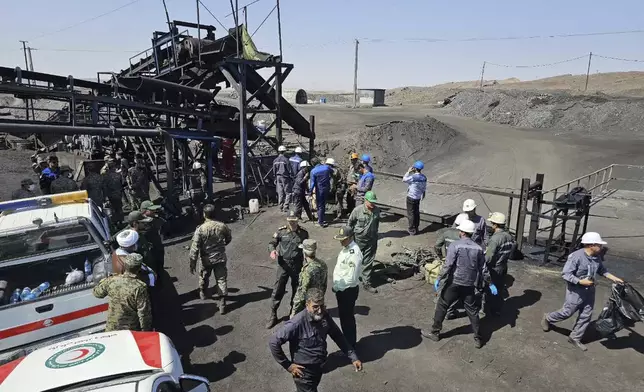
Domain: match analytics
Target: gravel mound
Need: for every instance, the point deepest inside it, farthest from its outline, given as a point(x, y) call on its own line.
point(595, 114)
point(395, 145)
point(16, 165)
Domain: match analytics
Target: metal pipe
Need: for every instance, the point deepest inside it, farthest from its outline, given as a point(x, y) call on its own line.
point(139, 83)
point(99, 131)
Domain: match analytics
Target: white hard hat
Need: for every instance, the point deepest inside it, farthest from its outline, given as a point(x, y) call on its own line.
point(330, 161)
point(469, 205)
point(298, 150)
point(467, 226)
point(592, 238)
point(281, 148)
point(460, 218)
point(304, 164)
point(196, 165)
point(497, 217)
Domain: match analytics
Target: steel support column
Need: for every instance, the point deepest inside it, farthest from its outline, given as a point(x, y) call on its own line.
point(523, 207)
point(169, 163)
point(312, 138)
point(243, 131)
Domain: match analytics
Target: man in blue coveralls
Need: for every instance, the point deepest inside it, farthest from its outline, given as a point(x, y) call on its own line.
point(321, 182)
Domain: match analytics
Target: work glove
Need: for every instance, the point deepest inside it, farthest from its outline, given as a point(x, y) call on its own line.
point(493, 289)
point(436, 283)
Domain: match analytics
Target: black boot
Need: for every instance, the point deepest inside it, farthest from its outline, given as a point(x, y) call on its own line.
point(272, 319)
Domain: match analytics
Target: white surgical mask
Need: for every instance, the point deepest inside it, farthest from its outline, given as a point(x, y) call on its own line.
point(32, 187)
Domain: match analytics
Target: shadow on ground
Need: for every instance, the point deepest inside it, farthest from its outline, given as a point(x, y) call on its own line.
point(195, 313)
point(359, 309)
point(375, 345)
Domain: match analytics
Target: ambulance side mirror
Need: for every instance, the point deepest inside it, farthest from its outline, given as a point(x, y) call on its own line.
point(190, 383)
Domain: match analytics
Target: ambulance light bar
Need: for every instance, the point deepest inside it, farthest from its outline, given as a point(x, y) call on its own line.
point(45, 201)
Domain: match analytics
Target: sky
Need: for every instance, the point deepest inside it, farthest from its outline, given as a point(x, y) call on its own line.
point(318, 37)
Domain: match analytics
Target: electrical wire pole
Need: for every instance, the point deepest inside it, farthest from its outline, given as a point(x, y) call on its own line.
point(24, 50)
point(590, 58)
point(355, 77)
point(482, 74)
point(279, 29)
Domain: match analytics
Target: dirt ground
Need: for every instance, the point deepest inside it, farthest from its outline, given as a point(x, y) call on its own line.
point(232, 350)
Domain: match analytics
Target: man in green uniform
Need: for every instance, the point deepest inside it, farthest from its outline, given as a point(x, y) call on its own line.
point(64, 182)
point(285, 248)
point(365, 221)
point(152, 233)
point(209, 248)
point(129, 306)
point(313, 275)
point(499, 249)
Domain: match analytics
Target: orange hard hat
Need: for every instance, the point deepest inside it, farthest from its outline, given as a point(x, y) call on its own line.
point(354, 155)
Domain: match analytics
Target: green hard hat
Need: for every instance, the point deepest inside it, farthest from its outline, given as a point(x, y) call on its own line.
point(370, 197)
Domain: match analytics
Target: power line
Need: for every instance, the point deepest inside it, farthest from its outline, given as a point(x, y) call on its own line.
point(538, 65)
point(85, 50)
point(264, 21)
point(87, 20)
point(508, 38)
point(213, 15)
point(617, 58)
point(251, 3)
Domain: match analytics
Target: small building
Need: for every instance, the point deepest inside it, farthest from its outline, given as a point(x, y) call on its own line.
point(371, 96)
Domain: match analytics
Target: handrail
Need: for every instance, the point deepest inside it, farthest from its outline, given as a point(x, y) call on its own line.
point(578, 179)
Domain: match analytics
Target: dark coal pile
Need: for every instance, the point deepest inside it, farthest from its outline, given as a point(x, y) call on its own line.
point(14, 166)
point(395, 145)
point(589, 114)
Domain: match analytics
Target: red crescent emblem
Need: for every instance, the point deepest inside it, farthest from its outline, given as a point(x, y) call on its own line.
point(83, 352)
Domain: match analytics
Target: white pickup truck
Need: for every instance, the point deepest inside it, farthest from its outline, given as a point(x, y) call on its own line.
point(42, 239)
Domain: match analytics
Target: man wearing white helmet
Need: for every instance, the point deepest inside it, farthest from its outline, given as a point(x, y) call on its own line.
point(283, 176)
point(580, 272)
point(295, 160)
point(461, 276)
point(480, 235)
point(197, 192)
point(497, 253)
point(299, 191)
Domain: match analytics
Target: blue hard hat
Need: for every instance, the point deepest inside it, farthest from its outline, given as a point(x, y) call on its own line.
point(419, 165)
point(365, 158)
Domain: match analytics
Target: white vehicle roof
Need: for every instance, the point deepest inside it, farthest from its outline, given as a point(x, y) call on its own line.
point(29, 209)
point(88, 358)
point(26, 217)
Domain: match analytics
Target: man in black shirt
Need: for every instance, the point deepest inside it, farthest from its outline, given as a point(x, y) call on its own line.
point(306, 334)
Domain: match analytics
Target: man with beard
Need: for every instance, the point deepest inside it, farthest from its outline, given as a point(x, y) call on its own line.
point(306, 334)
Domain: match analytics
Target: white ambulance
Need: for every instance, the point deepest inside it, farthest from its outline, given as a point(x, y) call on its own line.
point(119, 361)
point(42, 240)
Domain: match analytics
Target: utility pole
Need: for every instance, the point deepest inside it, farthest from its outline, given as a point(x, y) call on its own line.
point(24, 50)
point(482, 74)
point(279, 29)
point(355, 77)
point(590, 57)
point(199, 33)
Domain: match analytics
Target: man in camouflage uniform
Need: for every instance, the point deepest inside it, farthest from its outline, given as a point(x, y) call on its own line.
point(129, 306)
point(152, 233)
point(64, 182)
point(313, 275)
point(365, 222)
point(209, 248)
point(338, 184)
point(93, 184)
point(113, 189)
point(354, 172)
point(285, 248)
point(27, 188)
point(139, 181)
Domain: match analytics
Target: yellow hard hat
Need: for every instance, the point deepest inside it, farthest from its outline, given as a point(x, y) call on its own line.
point(354, 155)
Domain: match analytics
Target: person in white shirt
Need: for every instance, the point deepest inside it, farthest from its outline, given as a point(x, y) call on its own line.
point(346, 281)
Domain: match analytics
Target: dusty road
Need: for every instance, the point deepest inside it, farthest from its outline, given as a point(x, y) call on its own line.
point(231, 350)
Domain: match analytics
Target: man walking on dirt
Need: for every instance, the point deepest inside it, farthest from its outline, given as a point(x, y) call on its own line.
point(497, 253)
point(365, 222)
point(354, 172)
point(580, 272)
point(285, 249)
point(346, 279)
point(208, 248)
point(300, 189)
point(283, 176)
point(313, 275)
point(321, 183)
point(415, 193)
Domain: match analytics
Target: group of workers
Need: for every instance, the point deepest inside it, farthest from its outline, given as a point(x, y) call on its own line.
point(297, 180)
point(472, 274)
point(111, 183)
